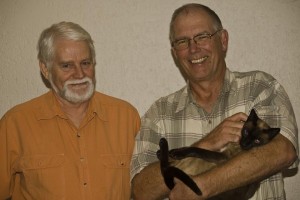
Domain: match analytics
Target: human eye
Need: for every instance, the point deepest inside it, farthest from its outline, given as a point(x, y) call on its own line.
point(86, 63)
point(201, 37)
point(66, 66)
point(182, 43)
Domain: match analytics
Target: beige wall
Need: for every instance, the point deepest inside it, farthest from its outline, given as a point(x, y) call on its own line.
point(133, 53)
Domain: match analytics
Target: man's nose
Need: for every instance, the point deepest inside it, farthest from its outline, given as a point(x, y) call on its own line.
point(193, 46)
point(78, 72)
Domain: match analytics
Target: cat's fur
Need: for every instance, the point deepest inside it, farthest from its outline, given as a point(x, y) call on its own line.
point(182, 162)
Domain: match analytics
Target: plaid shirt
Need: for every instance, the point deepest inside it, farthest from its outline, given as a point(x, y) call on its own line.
point(178, 118)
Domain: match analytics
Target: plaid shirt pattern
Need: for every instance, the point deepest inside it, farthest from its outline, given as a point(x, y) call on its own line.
point(179, 119)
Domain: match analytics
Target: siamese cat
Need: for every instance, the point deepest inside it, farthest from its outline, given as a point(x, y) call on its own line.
point(193, 160)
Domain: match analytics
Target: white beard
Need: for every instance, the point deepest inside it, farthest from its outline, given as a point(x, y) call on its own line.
point(71, 95)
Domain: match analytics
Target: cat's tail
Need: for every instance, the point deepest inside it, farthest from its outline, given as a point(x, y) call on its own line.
point(169, 172)
point(172, 172)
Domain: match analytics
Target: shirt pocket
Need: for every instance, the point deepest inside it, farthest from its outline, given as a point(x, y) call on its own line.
point(42, 176)
point(115, 177)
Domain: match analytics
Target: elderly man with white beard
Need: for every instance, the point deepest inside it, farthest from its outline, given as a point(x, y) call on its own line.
point(72, 142)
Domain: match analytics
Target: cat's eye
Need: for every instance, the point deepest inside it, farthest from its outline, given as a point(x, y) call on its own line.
point(257, 141)
point(245, 133)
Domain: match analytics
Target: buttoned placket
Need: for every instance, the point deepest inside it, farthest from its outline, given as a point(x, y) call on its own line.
point(82, 159)
point(207, 125)
point(78, 141)
point(206, 121)
point(84, 175)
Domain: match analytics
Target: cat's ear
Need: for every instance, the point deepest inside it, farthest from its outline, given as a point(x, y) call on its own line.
point(253, 116)
point(272, 132)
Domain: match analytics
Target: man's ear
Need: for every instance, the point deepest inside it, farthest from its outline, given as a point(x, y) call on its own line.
point(44, 70)
point(224, 40)
point(173, 52)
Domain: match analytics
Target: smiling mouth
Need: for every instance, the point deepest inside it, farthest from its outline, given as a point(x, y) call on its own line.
point(199, 61)
point(79, 85)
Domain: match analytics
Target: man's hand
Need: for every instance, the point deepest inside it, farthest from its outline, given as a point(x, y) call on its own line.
point(227, 131)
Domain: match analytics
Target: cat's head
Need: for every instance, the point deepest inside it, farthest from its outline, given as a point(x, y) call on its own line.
point(256, 132)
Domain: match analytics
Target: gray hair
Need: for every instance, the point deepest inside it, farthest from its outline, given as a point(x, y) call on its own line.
point(65, 30)
point(194, 6)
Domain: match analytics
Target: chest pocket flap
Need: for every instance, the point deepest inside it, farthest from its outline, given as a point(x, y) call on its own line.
point(40, 162)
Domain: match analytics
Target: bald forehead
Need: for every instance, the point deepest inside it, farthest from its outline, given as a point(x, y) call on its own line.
point(192, 19)
point(193, 11)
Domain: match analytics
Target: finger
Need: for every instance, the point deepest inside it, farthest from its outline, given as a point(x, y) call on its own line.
point(234, 138)
point(236, 130)
point(238, 125)
point(239, 117)
point(231, 134)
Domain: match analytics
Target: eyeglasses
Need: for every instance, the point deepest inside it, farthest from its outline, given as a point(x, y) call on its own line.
point(200, 39)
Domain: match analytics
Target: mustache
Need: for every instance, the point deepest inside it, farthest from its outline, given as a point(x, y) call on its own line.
point(79, 81)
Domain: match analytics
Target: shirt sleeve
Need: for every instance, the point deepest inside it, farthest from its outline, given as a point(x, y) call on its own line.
point(146, 143)
point(274, 107)
point(5, 160)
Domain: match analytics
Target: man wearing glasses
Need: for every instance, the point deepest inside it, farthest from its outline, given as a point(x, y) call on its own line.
point(209, 113)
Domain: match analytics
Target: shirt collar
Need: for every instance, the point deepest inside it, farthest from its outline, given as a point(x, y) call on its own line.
point(49, 108)
point(185, 96)
point(96, 108)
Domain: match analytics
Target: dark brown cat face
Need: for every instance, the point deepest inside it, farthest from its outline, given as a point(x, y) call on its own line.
point(256, 132)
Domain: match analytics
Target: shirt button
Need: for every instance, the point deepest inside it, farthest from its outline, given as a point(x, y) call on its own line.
point(85, 184)
point(40, 162)
point(209, 121)
point(81, 159)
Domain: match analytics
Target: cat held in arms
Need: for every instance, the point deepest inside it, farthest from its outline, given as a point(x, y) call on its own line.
point(193, 160)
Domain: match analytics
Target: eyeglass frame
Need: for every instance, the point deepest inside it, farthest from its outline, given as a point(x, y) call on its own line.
point(203, 36)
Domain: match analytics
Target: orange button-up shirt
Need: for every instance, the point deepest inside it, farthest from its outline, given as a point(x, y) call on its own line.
point(44, 156)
